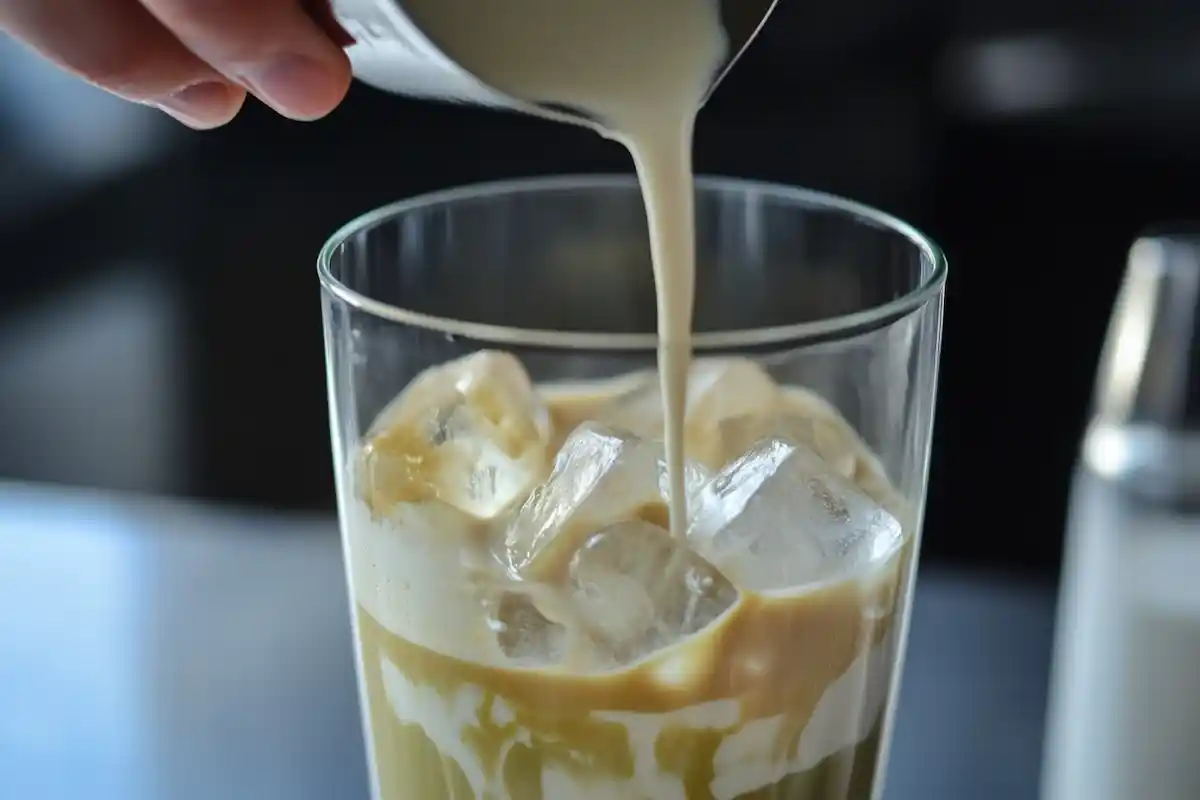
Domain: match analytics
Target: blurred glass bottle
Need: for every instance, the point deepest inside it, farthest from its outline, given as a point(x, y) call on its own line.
point(1124, 717)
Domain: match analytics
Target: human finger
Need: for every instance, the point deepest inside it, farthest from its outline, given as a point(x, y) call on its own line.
point(272, 47)
point(119, 46)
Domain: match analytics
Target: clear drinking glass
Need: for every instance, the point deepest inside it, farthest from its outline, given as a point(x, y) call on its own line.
point(526, 626)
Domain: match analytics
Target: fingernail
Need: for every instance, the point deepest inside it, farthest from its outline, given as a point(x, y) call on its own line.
point(202, 105)
point(297, 86)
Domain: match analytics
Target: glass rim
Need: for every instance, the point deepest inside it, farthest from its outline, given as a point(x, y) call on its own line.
point(838, 327)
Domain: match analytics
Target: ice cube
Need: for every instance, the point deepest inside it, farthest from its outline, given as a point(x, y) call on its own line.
point(471, 433)
point(600, 476)
point(827, 436)
point(781, 518)
point(719, 390)
point(638, 589)
point(524, 633)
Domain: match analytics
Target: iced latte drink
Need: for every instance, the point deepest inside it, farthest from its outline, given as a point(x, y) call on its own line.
point(529, 627)
point(529, 623)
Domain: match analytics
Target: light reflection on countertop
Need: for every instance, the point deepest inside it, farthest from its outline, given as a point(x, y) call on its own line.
point(72, 703)
point(156, 650)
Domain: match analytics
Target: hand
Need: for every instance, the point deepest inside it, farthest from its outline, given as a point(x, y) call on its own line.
point(194, 59)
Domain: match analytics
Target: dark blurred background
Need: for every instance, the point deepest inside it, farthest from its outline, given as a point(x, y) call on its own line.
point(159, 323)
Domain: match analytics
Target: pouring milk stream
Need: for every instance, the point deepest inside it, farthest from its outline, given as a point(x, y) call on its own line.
point(638, 71)
point(670, 676)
